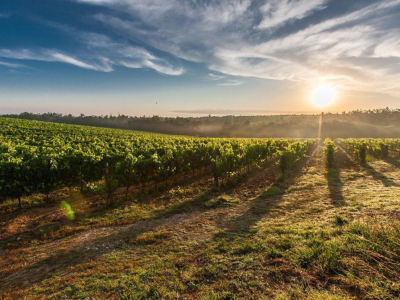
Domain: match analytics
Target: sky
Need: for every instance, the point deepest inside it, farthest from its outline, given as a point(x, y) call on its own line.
point(197, 57)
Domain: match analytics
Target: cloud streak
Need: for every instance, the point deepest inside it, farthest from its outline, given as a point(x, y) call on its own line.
point(231, 83)
point(98, 52)
point(50, 56)
point(224, 80)
point(278, 12)
point(11, 65)
point(123, 54)
point(240, 38)
point(105, 55)
point(350, 45)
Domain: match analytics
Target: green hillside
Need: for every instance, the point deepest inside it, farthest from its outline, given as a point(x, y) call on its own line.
point(289, 219)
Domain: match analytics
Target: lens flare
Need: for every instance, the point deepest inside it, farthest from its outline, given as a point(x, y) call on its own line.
point(67, 209)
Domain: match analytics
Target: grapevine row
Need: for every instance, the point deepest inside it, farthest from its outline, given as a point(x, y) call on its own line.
point(330, 150)
point(378, 148)
point(42, 157)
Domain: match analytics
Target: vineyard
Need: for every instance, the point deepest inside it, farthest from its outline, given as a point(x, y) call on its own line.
point(377, 148)
point(90, 212)
point(38, 157)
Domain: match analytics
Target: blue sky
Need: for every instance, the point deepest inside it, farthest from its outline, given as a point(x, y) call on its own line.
point(190, 57)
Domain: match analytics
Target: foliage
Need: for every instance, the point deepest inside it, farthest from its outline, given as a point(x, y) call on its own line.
point(40, 157)
point(377, 148)
point(291, 153)
point(330, 149)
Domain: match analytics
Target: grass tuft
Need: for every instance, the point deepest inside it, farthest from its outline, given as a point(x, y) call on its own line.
point(339, 220)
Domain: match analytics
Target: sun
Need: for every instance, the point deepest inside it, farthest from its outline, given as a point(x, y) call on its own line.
point(323, 95)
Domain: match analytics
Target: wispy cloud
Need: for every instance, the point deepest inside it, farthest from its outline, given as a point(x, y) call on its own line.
point(389, 47)
point(228, 38)
point(4, 15)
point(124, 54)
point(297, 40)
point(277, 13)
point(51, 56)
point(11, 65)
point(231, 83)
point(98, 52)
point(104, 54)
point(224, 80)
point(215, 77)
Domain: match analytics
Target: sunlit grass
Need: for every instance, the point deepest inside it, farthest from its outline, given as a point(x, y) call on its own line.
point(287, 239)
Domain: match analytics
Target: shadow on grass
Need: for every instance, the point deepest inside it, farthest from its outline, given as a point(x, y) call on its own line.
point(22, 238)
point(96, 207)
point(260, 207)
point(379, 176)
point(94, 248)
point(9, 210)
point(342, 162)
point(335, 186)
point(342, 155)
point(393, 162)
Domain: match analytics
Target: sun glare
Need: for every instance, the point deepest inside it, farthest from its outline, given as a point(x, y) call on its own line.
point(323, 95)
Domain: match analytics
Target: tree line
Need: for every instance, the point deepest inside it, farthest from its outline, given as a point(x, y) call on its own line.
point(375, 123)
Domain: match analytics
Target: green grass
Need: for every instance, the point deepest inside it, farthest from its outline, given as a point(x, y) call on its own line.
point(263, 238)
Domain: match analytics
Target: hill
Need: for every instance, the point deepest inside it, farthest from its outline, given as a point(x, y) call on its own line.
point(289, 219)
point(377, 123)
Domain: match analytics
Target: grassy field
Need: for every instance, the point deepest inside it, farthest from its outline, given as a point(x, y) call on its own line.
point(314, 234)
